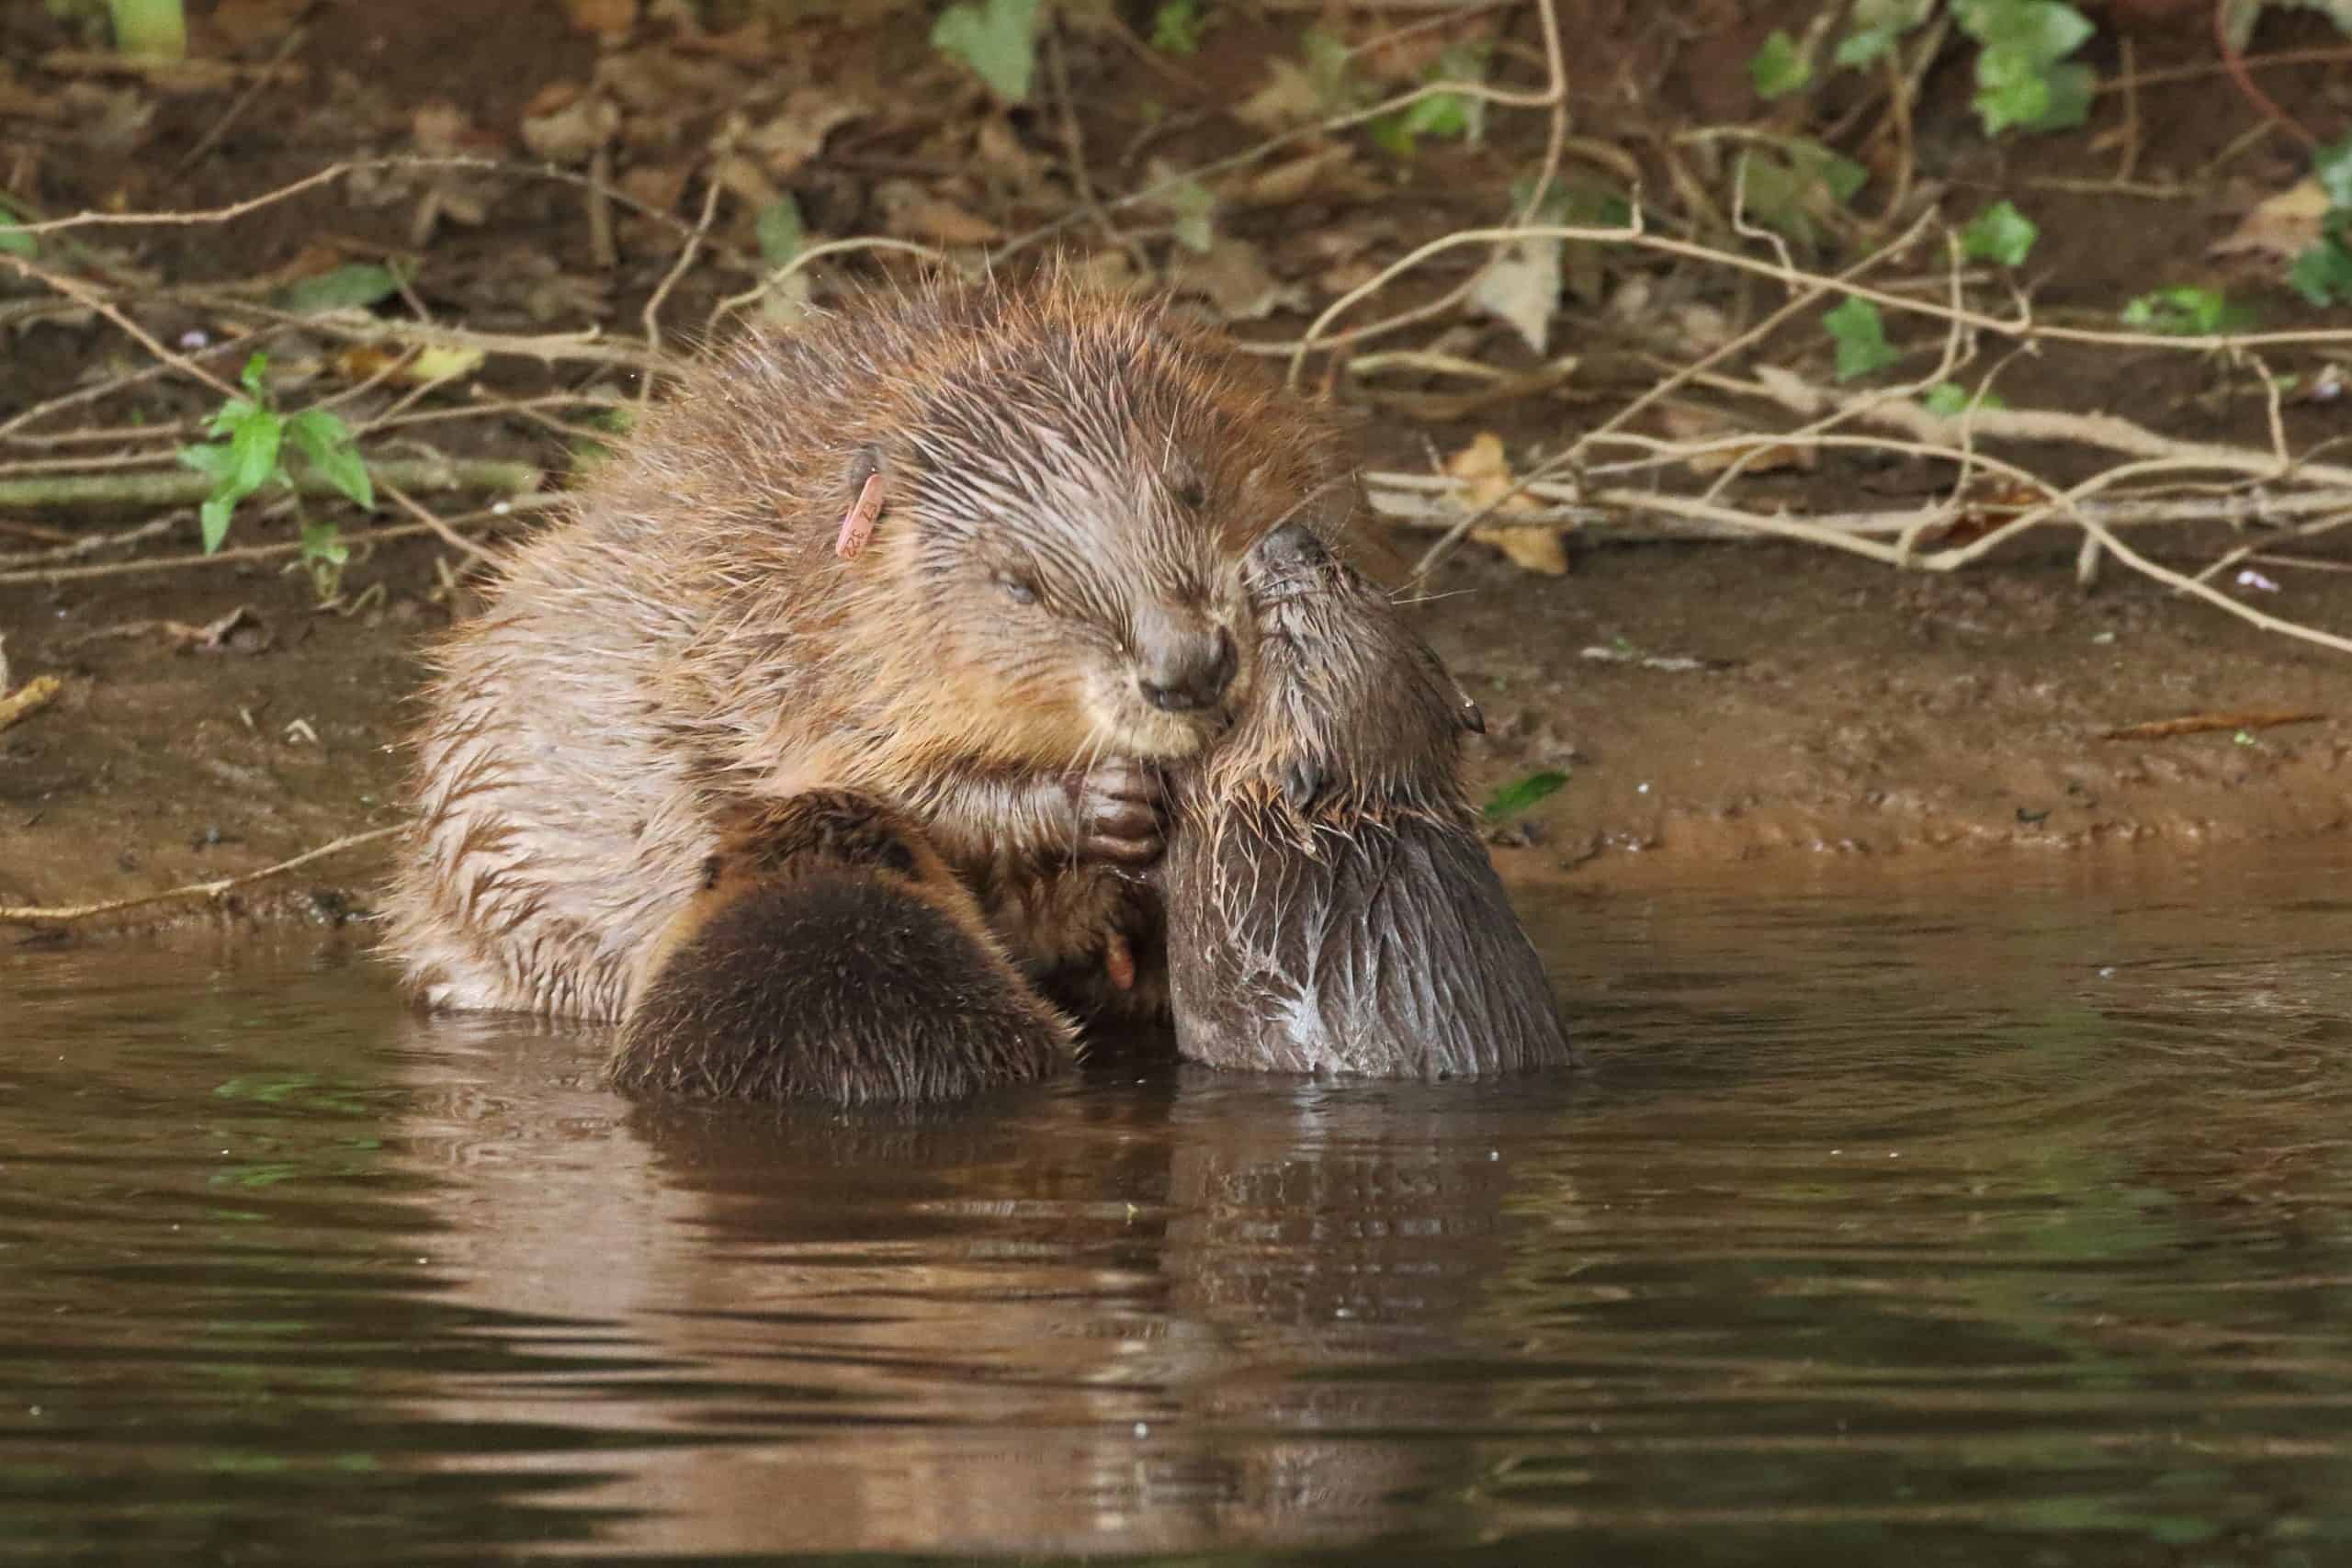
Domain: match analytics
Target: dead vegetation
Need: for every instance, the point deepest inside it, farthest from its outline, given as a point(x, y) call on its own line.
point(1579, 310)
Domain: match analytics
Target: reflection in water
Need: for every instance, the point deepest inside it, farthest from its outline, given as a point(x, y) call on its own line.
point(2004, 1224)
point(1055, 1317)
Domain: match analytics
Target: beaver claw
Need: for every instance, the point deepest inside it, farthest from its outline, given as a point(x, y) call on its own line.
point(1118, 804)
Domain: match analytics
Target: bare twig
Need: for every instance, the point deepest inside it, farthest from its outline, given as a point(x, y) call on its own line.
point(69, 913)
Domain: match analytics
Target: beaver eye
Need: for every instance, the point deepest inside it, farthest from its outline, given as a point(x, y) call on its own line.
point(1020, 590)
point(1191, 493)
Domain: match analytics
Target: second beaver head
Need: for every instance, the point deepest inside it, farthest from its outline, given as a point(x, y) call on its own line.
point(830, 955)
point(1329, 906)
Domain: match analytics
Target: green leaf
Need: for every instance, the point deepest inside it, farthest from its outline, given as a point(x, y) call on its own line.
point(1861, 337)
point(1779, 68)
point(2020, 82)
point(2040, 32)
point(252, 451)
point(998, 39)
point(323, 542)
point(212, 461)
point(1194, 206)
point(1176, 27)
point(1864, 45)
point(780, 231)
point(1949, 398)
point(1999, 233)
point(356, 286)
point(1793, 185)
point(1514, 798)
point(14, 242)
point(1873, 26)
point(234, 413)
point(2323, 275)
point(2186, 310)
point(326, 442)
point(1328, 61)
point(213, 518)
point(2331, 165)
point(255, 377)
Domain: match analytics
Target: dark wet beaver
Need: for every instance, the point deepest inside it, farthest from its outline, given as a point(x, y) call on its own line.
point(832, 954)
point(1051, 604)
point(1329, 906)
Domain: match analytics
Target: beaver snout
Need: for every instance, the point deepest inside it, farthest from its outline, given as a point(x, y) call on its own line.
point(1183, 665)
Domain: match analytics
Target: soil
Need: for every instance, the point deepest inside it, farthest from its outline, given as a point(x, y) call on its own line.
point(1716, 709)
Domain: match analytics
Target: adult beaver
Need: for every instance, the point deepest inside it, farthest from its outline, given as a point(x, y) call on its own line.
point(1067, 481)
point(832, 954)
point(1329, 906)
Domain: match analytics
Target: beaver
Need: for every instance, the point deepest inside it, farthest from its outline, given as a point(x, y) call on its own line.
point(831, 954)
point(971, 549)
point(1329, 906)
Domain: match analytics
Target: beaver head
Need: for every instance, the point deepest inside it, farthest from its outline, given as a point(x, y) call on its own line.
point(1072, 495)
point(1329, 906)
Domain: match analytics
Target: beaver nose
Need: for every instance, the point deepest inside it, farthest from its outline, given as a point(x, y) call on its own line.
point(1178, 669)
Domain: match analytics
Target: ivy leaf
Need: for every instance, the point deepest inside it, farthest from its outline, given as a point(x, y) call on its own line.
point(1861, 337)
point(326, 442)
point(1514, 798)
point(2040, 31)
point(1779, 68)
point(255, 377)
point(1874, 25)
point(2332, 165)
point(998, 39)
point(1999, 233)
point(2185, 310)
point(2323, 275)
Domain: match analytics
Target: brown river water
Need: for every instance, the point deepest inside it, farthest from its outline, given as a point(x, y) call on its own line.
point(1992, 1216)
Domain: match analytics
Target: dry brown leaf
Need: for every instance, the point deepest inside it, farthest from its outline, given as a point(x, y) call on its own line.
point(797, 132)
point(29, 698)
point(1289, 98)
point(1483, 470)
point(911, 212)
point(1235, 279)
point(603, 18)
point(571, 134)
point(1522, 288)
point(2281, 227)
point(247, 25)
point(1324, 172)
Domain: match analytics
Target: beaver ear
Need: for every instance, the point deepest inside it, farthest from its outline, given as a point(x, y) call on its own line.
point(711, 867)
point(1299, 788)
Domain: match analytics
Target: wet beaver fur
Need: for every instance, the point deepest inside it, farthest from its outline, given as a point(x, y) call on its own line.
point(1049, 605)
point(1329, 906)
point(832, 954)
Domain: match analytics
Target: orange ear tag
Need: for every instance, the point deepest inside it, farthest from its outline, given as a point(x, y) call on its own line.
point(858, 523)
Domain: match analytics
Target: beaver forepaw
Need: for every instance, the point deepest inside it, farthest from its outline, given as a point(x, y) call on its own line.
point(1118, 809)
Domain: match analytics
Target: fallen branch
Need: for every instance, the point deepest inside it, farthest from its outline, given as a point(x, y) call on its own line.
point(68, 914)
point(185, 487)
